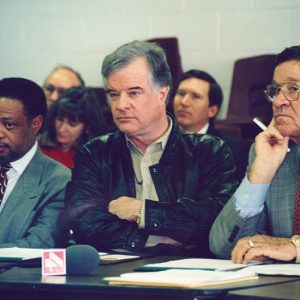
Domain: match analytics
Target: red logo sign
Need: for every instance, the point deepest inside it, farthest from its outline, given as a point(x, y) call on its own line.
point(54, 262)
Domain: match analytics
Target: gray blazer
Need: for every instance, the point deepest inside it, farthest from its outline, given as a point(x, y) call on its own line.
point(31, 217)
point(275, 220)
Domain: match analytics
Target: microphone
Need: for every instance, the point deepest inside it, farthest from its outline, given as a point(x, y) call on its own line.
point(81, 259)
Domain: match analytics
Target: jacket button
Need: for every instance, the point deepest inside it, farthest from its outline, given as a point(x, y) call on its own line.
point(155, 170)
point(132, 245)
point(156, 225)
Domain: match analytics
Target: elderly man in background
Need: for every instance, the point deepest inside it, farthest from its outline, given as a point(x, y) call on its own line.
point(60, 79)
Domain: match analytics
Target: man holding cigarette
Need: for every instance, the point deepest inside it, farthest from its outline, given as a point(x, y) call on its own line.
point(262, 219)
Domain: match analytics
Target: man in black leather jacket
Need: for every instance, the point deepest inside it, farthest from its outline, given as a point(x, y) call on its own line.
point(147, 185)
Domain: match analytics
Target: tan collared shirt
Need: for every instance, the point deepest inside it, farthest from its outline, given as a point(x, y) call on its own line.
point(144, 185)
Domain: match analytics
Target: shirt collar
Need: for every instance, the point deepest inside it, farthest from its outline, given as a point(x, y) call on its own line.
point(162, 140)
point(20, 165)
point(204, 129)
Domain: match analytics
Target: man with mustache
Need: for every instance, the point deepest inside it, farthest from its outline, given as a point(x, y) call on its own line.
point(31, 185)
point(262, 219)
point(196, 104)
point(147, 186)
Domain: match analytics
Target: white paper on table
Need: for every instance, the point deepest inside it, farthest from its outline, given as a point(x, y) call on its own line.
point(15, 253)
point(199, 263)
point(117, 257)
point(276, 269)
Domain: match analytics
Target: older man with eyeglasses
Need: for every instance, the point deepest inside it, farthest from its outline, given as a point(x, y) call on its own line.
point(60, 79)
point(262, 219)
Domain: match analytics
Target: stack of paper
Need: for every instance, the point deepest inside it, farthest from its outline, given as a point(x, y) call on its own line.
point(181, 278)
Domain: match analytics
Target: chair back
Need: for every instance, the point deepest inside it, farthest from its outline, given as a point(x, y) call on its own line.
point(250, 77)
point(171, 47)
point(247, 99)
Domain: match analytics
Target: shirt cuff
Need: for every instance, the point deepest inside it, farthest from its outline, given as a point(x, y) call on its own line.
point(249, 199)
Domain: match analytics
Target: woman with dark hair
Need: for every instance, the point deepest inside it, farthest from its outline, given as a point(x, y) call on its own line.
point(71, 121)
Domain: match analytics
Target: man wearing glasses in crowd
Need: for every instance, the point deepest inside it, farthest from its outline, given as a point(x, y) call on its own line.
point(60, 79)
point(261, 220)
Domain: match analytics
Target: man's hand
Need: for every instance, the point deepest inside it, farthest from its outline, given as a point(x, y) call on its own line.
point(125, 208)
point(262, 247)
point(271, 148)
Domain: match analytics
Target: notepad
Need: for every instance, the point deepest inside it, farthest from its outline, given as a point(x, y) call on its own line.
point(181, 278)
point(19, 254)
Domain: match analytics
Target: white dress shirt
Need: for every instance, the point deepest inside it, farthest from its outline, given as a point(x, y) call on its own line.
point(16, 170)
point(204, 129)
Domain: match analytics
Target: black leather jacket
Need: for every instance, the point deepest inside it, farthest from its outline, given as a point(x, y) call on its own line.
point(193, 179)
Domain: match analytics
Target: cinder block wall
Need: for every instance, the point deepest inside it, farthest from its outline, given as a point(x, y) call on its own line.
point(36, 35)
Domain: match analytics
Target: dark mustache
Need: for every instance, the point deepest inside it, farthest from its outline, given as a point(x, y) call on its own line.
point(5, 145)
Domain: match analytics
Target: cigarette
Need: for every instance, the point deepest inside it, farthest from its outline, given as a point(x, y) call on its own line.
point(262, 126)
point(259, 123)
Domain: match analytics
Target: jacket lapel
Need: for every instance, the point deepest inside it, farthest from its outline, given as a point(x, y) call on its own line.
point(22, 200)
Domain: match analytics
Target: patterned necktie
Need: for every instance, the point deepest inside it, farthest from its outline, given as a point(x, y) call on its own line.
point(3, 179)
point(297, 210)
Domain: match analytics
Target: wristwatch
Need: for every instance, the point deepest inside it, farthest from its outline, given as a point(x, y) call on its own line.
point(296, 241)
point(139, 217)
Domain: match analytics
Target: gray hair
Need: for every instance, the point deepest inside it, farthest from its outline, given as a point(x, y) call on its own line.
point(160, 74)
point(65, 67)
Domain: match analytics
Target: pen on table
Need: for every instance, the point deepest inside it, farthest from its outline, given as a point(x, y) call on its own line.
point(262, 126)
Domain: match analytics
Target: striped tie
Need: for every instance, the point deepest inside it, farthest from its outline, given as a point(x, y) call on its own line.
point(3, 179)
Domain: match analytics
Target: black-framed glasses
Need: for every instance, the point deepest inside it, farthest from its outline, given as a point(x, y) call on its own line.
point(290, 91)
point(49, 89)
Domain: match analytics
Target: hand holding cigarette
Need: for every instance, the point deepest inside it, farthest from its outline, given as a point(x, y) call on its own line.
point(262, 126)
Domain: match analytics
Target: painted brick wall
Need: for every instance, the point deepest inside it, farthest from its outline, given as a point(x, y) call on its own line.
point(35, 35)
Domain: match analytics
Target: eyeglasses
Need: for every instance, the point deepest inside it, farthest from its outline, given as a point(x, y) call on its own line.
point(290, 91)
point(49, 89)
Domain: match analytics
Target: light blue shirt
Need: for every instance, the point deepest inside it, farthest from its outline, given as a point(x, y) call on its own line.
point(250, 198)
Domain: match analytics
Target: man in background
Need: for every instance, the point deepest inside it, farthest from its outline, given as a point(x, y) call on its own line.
point(196, 104)
point(147, 186)
point(262, 219)
point(60, 79)
point(31, 185)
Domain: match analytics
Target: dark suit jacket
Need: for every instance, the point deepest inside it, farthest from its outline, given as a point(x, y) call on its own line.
point(240, 150)
point(31, 217)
